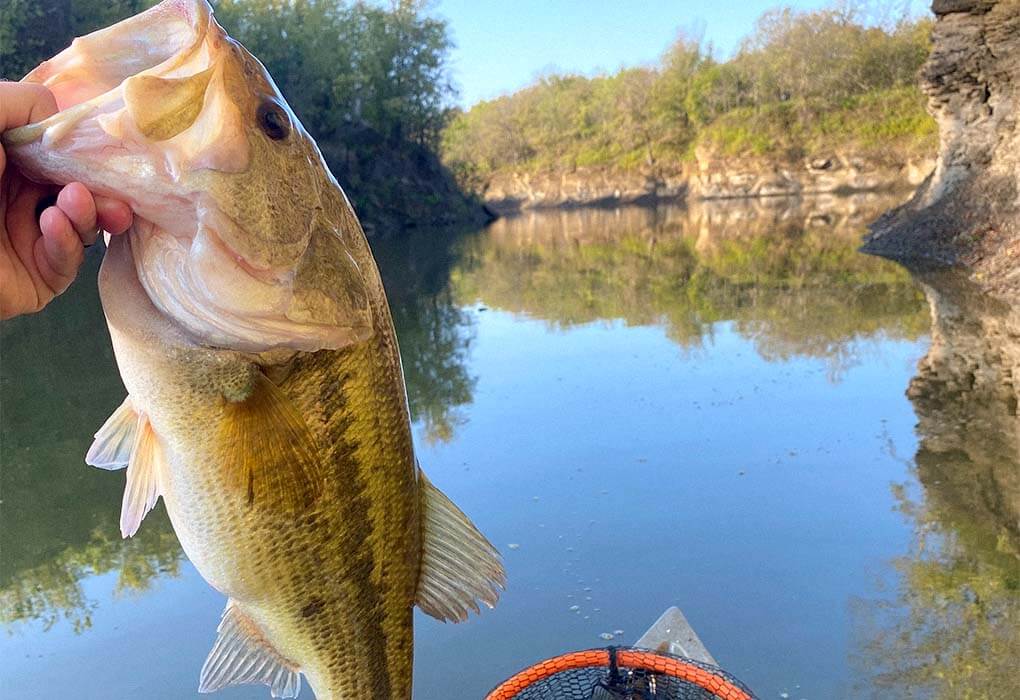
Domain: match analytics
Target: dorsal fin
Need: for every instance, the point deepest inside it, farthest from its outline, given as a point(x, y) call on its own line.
point(142, 489)
point(241, 655)
point(459, 567)
point(112, 447)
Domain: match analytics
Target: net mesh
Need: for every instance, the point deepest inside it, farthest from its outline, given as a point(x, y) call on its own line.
point(621, 674)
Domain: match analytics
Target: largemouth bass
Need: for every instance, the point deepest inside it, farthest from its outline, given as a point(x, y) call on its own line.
point(266, 401)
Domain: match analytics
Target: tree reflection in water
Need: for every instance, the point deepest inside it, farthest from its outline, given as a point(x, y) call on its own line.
point(59, 518)
point(789, 277)
point(953, 629)
point(434, 333)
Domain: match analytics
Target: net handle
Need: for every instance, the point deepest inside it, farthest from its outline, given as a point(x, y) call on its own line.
point(631, 658)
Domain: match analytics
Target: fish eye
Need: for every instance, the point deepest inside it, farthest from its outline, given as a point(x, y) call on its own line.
point(273, 120)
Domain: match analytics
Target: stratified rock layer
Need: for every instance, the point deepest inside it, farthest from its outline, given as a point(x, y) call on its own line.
point(967, 213)
point(709, 178)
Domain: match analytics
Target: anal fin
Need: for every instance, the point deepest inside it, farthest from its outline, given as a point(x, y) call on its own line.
point(142, 488)
point(241, 655)
point(459, 567)
point(112, 447)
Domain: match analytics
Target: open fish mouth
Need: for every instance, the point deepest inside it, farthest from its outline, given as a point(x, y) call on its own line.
point(161, 111)
point(155, 78)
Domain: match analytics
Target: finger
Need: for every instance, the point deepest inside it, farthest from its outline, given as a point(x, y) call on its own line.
point(77, 204)
point(24, 103)
point(58, 253)
point(113, 215)
point(20, 104)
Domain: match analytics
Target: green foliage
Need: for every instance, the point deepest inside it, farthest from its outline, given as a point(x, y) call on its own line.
point(343, 64)
point(33, 30)
point(802, 81)
point(338, 63)
point(882, 124)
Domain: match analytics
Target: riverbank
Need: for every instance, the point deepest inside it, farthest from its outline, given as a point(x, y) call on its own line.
point(707, 178)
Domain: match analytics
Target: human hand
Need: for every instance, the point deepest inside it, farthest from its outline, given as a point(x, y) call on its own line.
point(43, 229)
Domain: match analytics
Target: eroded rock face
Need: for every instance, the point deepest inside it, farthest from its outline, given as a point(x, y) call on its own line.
point(967, 213)
point(709, 178)
point(506, 193)
point(830, 173)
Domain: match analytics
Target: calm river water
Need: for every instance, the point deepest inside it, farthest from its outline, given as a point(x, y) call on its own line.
point(724, 408)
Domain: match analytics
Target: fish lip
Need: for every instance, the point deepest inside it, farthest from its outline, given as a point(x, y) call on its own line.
point(23, 135)
point(36, 131)
point(325, 337)
point(262, 274)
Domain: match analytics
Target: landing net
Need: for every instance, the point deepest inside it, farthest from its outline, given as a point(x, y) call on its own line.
point(621, 674)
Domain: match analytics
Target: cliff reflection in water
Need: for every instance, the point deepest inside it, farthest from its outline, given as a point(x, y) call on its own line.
point(789, 277)
point(958, 607)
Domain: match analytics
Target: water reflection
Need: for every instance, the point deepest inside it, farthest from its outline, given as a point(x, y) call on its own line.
point(58, 519)
point(769, 269)
point(953, 628)
point(434, 332)
point(785, 278)
point(788, 277)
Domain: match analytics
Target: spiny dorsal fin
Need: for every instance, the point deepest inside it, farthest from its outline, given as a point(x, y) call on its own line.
point(144, 471)
point(459, 567)
point(241, 655)
point(112, 447)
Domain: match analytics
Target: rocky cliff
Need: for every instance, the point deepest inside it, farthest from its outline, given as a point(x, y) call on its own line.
point(835, 172)
point(967, 213)
point(508, 192)
point(708, 178)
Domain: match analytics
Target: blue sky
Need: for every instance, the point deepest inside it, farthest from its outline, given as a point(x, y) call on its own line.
point(503, 45)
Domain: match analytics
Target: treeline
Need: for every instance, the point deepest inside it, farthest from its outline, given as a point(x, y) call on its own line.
point(370, 83)
point(835, 76)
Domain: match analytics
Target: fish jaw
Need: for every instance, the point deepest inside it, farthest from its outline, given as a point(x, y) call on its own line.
point(246, 244)
point(98, 136)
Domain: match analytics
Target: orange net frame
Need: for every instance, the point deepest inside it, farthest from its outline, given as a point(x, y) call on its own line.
point(686, 674)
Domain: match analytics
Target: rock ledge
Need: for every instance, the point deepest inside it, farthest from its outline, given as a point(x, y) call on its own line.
point(967, 213)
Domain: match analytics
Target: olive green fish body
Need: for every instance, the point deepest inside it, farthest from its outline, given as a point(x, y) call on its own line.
point(329, 577)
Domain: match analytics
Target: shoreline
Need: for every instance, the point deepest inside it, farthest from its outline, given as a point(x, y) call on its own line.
point(506, 194)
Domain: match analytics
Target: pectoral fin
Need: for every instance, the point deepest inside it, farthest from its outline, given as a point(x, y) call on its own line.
point(242, 655)
point(269, 456)
point(112, 447)
point(144, 471)
point(459, 567)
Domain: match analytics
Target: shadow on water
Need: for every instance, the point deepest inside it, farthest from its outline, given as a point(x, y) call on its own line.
point(434, 332)
point(953, 628)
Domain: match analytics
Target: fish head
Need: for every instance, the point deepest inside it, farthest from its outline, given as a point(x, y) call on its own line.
point(241, 236)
